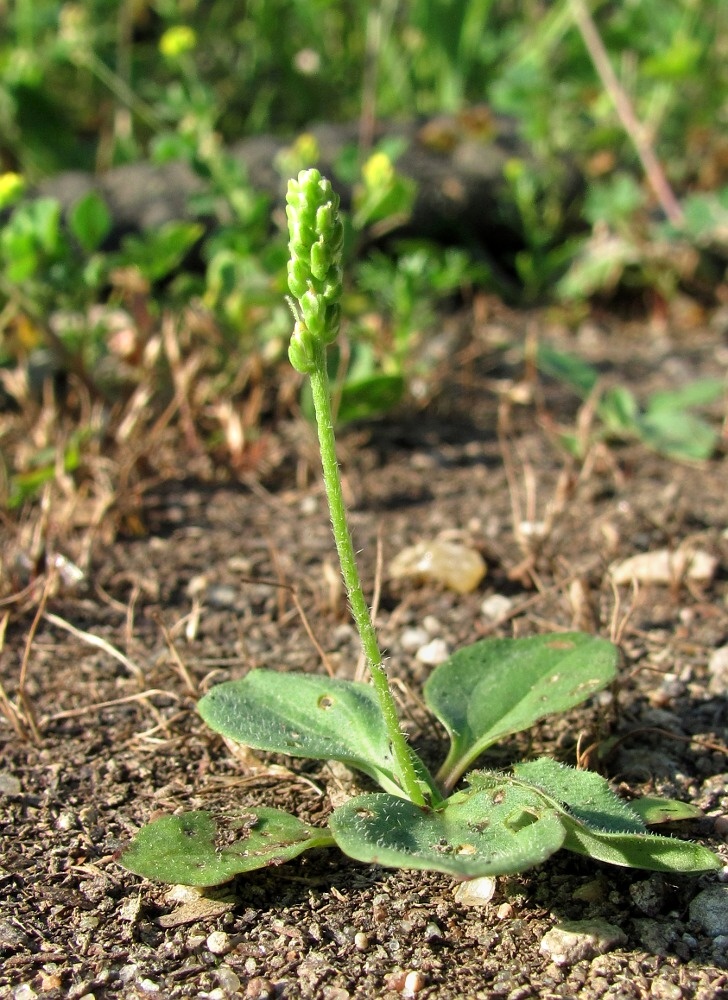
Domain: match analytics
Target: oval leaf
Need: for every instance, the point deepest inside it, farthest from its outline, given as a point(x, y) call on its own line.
point(496, 687)
point(491, 831)
point(304, 715)
point(191, 849)
point(90, 221)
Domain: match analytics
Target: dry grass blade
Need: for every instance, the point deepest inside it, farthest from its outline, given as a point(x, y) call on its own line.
point(75, 713)
point(94, 640)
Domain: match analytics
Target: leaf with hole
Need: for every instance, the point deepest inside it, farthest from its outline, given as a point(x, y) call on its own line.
point(493, 830)
point(192, 849)
point(304, 715)
point(496, 687)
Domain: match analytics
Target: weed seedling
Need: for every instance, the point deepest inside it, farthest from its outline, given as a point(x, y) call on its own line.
point(498, 822)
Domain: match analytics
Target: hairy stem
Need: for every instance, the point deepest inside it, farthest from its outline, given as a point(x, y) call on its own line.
point(408, 772)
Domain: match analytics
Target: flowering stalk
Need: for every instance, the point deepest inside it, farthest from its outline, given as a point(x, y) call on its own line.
point(315, 280)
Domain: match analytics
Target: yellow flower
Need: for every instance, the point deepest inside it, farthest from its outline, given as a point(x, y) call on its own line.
point(176, 41)
point(11, 187)
point(378, 171)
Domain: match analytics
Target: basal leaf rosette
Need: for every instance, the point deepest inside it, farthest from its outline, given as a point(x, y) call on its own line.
point(316, 240)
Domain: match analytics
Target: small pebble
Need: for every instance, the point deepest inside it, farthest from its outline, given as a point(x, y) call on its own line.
point(66, 820)
point(24, 992)
point(219, 943)
point(361, 941)
point(709, 910)
point(221, 595)
point(649, 895)
point(718, 670)
point(575, 940)
point(259, 988)
point(662, 990)
point(591, 892)
point(457, 567)
point(505, 911)
point(228, 980)
point(414, 982)
point(476, 891)
point(413, 638)
point(9, 784)
point(496, 606)
point(432, 932)
point(665, 567)
point(433, 653)
point(309, 505)
point(432, 625)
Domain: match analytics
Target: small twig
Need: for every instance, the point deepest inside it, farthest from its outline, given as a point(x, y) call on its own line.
point(623, 106)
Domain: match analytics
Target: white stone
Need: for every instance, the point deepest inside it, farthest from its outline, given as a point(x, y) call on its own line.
point(476, 891)
point(433, 653)
point(496, 606)
point(414, 982)
point(570, 942)
point(709, 910)
point(24, 992)
point(413, 638)
point(219, 943)
point(718, 670)
point(665, 567)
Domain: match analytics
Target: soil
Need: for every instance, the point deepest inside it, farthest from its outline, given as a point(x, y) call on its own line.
point(101, 744)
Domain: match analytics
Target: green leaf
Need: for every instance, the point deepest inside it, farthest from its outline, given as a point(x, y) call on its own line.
point(587, 795)
point(602, 826)
point(490, 830)
point(496, 687)
point(567, 368)
point(192, 850)
point(619, 410)
point(90, 221)
point(639, 850)
point(369, 397)
point(701, 392)
point(158, 252)
point(678, 434)
point(304, 715)
point(653, 810)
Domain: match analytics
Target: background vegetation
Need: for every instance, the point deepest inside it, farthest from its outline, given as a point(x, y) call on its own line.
point(109, 343)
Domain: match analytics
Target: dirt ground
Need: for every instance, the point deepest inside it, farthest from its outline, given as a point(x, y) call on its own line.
point(103, 743)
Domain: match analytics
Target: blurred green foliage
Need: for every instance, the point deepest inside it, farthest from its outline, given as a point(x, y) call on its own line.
point(93, 84)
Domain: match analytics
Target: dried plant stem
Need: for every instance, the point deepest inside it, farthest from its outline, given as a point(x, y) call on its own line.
point(623, 106)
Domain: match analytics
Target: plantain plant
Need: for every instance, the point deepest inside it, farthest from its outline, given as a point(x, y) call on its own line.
point(497, 822)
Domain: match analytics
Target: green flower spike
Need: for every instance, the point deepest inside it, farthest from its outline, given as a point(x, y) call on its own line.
point(314, 267)
point(315, 280)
